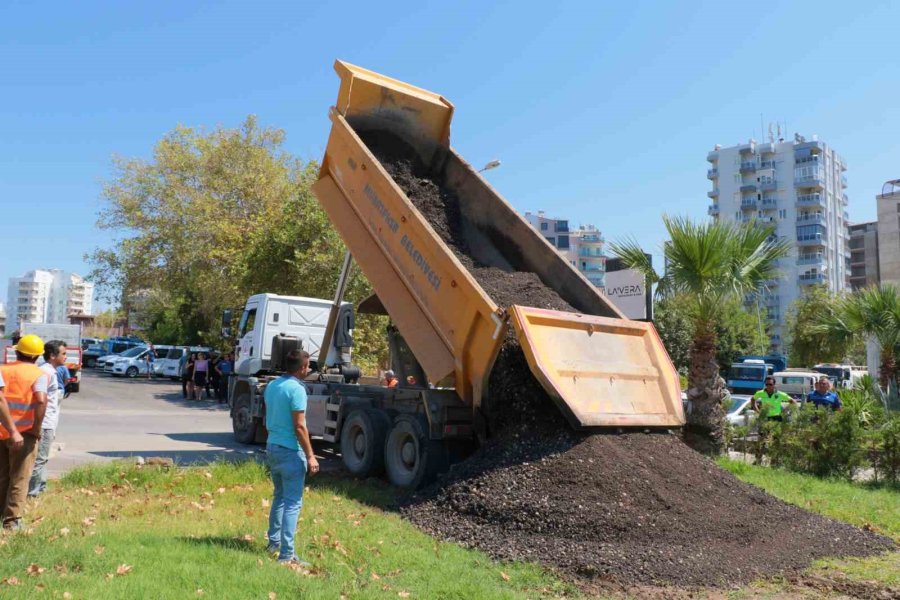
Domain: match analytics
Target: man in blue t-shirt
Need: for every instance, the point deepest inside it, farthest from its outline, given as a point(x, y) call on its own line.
point(290, 454)
point(822, 396)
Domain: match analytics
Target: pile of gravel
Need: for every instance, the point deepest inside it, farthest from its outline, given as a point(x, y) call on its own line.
point(634, 508)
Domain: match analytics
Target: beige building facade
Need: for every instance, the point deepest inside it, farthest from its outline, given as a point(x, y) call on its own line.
point(889, 232)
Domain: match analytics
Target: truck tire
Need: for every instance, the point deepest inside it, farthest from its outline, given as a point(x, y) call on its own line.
point(131, 372)
point(242, 422)
point(362, 441)
point(410, 458)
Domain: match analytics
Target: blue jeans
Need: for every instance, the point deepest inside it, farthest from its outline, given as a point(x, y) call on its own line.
point(288, 476)
point(38, 482)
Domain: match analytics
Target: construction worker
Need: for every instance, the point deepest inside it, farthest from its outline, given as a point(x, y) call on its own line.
point(26, 394)
point(390, 380)
point(768, 401)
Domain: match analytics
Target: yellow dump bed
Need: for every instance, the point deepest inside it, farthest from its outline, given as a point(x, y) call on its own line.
point(600, 368)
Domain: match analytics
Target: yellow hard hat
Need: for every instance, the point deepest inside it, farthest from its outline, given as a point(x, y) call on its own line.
point(30, 345)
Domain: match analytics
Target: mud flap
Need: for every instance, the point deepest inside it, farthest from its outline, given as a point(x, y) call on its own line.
point(601, 372)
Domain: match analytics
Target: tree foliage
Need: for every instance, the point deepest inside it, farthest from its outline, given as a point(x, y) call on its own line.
point(212, 218)
point(737, 332)
point(708, 266)
point(806, 345)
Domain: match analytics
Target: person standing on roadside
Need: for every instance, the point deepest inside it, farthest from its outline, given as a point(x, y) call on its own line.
point(25, 390)
point(290, 455)
point(201, 373)
point(187, 375)
point(768, 401)
point(823, 397)
point(54, 357)
point(224, 368)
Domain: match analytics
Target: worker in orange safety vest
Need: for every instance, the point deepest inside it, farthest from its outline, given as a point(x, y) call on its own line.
point(24, 387)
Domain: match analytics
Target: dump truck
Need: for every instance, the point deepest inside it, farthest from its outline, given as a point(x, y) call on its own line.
point(599, 368)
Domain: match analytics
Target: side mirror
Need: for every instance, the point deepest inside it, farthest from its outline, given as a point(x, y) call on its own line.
point(227, 315)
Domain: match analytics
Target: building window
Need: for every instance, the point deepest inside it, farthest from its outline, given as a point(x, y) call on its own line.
point(562, 226)
point(552, 240)
point(544, 226)
point(782, 213)
point(562, 242)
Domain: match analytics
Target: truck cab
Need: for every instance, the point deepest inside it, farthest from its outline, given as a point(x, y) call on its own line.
point(266, 316)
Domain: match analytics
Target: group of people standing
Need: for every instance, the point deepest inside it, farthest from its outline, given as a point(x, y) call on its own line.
point(201, 373)
point(31, 390)
point(769, 402)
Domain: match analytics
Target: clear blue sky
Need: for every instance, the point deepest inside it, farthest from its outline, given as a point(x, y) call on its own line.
point(603, 115)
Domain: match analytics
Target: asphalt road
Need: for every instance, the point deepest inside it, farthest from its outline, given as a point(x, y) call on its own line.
point(115, 417)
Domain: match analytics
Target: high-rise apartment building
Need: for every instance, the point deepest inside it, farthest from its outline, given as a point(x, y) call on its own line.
point(864, 255)
point(889, 232)
point(582, 247)
point(47, 296)
point(797, 187)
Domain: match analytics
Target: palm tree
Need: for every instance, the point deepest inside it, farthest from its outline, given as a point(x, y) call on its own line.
point(707, 264)
point(872, 312)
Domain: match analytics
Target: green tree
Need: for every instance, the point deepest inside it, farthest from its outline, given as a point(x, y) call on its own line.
point(214, 217)
point(708, 265)
point(807, 345)
point(737, 332)
point(872, 312)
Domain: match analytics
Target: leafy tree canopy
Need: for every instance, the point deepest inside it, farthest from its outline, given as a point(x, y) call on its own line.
point(212, 218)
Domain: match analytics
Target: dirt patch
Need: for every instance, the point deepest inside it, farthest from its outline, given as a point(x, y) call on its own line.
point(633, 508)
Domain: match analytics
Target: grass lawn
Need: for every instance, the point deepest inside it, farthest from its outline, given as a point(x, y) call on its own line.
point(122, 531)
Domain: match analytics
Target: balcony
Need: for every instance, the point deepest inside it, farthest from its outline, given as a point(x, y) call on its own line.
point(748, 167)
point(713, 210)
point(810, 259)
point(810, 239)
point(748, 203)
point(591, 252)
point(594, 269)
point(810, 200)
point(812, 278)
point(747, 148)
point(767, 164)
point(768, 186)
point(815, 181)
point(843, 181)
point(769, 203)
point(712, 173)
point(811, 220)
point(592, 238)
point(713, 156)
point(805, 160)
point(748, 187)
point(765, 223)
point(766, 148)
point(713, 193)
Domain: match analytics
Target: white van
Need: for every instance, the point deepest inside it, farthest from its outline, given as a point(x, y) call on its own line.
point(170, 366)
point(796, 383)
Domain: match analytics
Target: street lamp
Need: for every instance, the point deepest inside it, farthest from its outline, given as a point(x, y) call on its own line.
point(491, 165)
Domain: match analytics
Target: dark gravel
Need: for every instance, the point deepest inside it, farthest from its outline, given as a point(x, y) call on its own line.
point(633, 508)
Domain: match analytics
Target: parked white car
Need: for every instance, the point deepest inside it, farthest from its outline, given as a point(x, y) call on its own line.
point(131, 363)
point(740, 413)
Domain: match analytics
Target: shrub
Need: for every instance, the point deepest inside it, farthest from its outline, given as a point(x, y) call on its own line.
point(886, 452)
point(820, 442)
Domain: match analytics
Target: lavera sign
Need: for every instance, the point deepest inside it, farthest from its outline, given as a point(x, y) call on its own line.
point(628, 291)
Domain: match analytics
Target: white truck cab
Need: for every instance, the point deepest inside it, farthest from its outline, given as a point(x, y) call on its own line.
point(266, 316)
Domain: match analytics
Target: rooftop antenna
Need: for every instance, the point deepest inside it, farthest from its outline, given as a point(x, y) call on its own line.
point(771, 135)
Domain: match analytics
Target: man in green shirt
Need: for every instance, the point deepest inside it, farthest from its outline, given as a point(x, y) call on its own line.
point(768, 401)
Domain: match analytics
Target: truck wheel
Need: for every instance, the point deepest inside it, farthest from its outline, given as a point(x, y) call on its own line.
point(131, 372)
point(362, 441)
point(242, 421)
point(90, 363)
point(410, 458)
